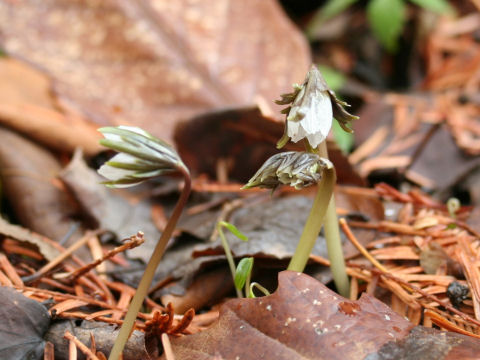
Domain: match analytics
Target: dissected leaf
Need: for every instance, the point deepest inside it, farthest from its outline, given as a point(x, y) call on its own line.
point(386, 17)
point(150, 63)
point(24, 323)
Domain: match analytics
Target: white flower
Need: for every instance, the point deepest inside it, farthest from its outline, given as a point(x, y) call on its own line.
point(310, 116)
point(141, 156)
point(313, 107)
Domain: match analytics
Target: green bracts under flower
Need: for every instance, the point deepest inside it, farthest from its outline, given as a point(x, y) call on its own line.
point(297, 169)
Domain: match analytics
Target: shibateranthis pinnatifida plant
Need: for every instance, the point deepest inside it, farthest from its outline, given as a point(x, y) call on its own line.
point(140, 157)
point(311, 109)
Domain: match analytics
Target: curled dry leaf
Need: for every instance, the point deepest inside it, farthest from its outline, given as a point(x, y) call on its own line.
point(28, 175)
point(19, 233)
point(149, 63)
point(305, 320)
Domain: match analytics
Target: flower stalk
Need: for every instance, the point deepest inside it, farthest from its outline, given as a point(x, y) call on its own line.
point(140, 157)
point(333, 240)
point(311, 109)
point(145, 282)
point(314, 222)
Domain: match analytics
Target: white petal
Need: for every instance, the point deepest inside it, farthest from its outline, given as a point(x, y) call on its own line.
point(113, 173)
point(135, 130)
point(124, 158)
point(115, 137)
point(112, 137)
point(318, 121)
point(295, 131)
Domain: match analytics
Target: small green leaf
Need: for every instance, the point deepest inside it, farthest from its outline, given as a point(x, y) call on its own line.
point(334, 79)
point(244, 268)
point(437, 6)
point(387, 18)
point(451, 226)
point(333, 8)
point(343, 139)
point(233, 229)
point(326, 12)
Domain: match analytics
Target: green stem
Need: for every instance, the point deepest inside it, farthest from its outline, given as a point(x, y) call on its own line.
point(228, 254)
point(334, 243)
point(152, 265)
point(247, 283)
point(259, 287)
point(314, 222)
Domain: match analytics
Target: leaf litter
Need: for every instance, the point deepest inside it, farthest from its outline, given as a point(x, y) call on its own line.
point(408, 261)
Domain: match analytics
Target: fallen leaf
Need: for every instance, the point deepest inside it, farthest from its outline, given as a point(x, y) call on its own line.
point(442, 162)
point(27, 106)
point(243, 138)
point(272, 232)
point(21, 234)
point(24, 323)
point(104, 335)
point(303, 319)
point(151, 63)
point(29, 178)
point(108, 208)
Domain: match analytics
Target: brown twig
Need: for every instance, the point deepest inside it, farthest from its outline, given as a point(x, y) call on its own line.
point(83, 348)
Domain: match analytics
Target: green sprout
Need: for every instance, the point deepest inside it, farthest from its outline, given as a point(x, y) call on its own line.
point(228, 253)
point(453, 205)
point(140, 157)
point(259, 287)
point(243, 275)
point(310, 112)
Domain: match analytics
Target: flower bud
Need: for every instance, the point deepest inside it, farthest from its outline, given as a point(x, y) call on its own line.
point(141, 156)
point(297, 169)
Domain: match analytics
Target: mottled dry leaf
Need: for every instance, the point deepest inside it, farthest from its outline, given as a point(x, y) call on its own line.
point(150, 62)
point(305, 320)
point(301, 320)
point(24, 323)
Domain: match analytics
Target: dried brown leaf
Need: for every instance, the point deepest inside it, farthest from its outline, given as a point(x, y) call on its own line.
point(29, 178)
point(150, 63)
point(305, 320)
